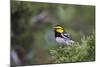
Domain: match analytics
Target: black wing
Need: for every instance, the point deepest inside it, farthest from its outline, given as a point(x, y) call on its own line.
point(66, 35)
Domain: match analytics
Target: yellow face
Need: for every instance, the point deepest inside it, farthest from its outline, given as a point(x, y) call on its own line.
point(59, 29)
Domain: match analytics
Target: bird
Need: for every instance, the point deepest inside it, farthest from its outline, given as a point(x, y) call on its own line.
point(61, 36)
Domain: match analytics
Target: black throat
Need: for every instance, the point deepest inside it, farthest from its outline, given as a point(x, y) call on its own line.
point(57, 34)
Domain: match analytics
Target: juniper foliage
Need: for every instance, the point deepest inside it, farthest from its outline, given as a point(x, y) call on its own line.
point(77, 52)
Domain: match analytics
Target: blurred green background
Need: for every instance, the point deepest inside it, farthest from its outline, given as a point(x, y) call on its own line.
point(32, 25)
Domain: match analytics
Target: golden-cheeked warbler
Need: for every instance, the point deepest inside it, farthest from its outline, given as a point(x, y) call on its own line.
point(61, 37)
